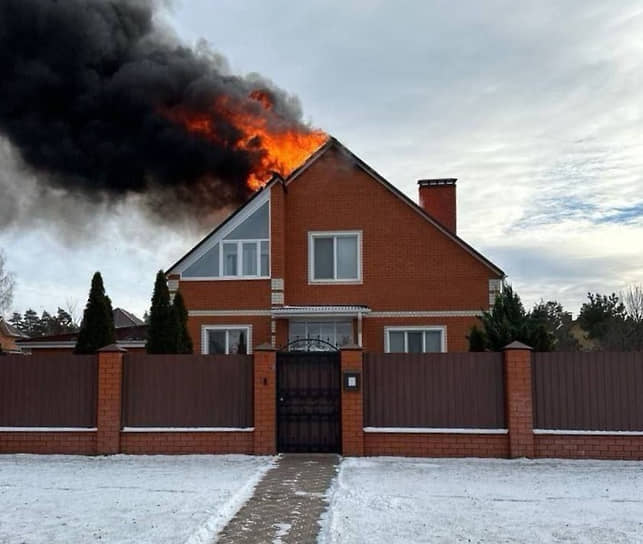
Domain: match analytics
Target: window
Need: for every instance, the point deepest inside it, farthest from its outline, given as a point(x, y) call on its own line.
point(243, 252)
point(414, 339)
point(226, 339)
point(337, 333)
point(334, 256)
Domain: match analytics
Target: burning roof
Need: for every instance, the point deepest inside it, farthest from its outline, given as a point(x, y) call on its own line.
point(101, 103)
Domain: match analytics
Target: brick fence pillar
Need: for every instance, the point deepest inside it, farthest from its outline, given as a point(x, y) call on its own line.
point(265, 400)
point(108, 414)
point(352, 404)
point(518, 399)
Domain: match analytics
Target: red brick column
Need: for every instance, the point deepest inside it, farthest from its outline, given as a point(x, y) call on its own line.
point(108, 415)
point(265, 398)
point(518, 399)
point(352, 406)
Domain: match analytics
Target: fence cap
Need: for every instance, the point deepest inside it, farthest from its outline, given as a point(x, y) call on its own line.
point(265, 347)
point(351, 347)
point(517, 345)
point(113, 348)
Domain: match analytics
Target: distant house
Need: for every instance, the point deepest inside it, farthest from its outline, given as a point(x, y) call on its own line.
point(8, 337)
point(335, 253)
point(131, 334)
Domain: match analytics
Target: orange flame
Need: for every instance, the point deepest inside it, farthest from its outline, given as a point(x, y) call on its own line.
point(281, 149)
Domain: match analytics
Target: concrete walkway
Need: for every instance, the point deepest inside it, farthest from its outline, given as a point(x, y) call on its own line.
point(286, 504)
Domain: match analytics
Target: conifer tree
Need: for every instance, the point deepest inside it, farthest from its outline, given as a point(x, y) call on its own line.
point(97, 328)
point(162, 333)
point(183, 341)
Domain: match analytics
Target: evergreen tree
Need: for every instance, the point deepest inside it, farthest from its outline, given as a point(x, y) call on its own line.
point(97, 328)
point(183, 341)
point(507, 321)
point(30, 323)
point(162, 333)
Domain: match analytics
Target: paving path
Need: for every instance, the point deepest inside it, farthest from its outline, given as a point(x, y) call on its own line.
point(286, 504)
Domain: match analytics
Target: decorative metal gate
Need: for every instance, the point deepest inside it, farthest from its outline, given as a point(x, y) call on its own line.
point(308, 401)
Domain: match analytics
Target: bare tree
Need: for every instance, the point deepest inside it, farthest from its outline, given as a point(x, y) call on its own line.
point(7, 283)
point(633, 299)
point(71, 307)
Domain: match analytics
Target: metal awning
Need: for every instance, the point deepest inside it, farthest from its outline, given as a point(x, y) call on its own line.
point(319, 311)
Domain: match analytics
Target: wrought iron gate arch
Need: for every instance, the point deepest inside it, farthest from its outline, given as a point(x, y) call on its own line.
point(308, 343)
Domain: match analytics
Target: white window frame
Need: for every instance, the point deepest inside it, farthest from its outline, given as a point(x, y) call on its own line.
point(333, 234)
point(205, 341)
point(416, 328)
point(307, 321)
point(240, 275)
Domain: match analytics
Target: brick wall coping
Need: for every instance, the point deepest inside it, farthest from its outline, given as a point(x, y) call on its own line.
point(48, 429)
point(187, 429)
point(580, 432)
point(112, 348)
point(432, 430)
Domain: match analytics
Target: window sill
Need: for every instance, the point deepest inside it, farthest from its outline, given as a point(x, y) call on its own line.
point(227, 278)
point(335, 282)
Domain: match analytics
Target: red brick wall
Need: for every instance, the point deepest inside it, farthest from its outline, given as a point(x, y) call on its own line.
point(166, 443)
point(407, 264)
point(69, 442)
point(436, 444)
point(226, 294)
point(519, 402)
point(108, 414)
point(352, 406)
point(588, 446)
point(265, 402)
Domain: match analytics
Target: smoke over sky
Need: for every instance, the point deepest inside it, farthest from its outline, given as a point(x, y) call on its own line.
point(99, 104)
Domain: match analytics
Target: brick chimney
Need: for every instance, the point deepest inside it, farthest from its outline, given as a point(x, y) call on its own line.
point(437, 198)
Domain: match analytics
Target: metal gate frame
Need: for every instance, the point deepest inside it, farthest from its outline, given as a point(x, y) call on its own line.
point(282, 359)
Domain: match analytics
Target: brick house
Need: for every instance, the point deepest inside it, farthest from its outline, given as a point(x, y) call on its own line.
point(8, 337)
point(335, 252)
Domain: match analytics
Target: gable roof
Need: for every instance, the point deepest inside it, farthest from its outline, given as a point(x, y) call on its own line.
point(332, 142)
point(276, 178)
point(123, 318)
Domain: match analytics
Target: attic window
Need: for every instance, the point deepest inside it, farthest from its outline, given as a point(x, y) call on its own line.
point(243, 253)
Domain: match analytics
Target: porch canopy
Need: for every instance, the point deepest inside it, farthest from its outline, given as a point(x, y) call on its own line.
point(327, 311)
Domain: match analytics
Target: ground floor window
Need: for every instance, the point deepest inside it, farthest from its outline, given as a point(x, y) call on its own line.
point(337, 333)
point(414, 339)
point(226, 339)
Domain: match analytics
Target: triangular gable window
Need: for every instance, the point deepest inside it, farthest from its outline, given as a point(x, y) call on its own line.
point(242, 253)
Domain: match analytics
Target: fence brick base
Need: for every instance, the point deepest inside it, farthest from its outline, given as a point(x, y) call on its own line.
point(436, 445)
point(573, 446)
point(68, 442)
point(166, 443)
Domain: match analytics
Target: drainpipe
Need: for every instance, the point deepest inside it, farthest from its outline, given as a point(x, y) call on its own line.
point(359, 329)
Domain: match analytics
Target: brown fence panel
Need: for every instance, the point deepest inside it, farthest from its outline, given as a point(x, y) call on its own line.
point(187, 390)
point(438, 390)
point(48, 390)
point(589, 391)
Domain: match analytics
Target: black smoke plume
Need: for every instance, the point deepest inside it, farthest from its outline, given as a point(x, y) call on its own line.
point(85, 87)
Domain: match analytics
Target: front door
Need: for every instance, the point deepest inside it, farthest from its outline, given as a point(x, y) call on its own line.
point(308, 402)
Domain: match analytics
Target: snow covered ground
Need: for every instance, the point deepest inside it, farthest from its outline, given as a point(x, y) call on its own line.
point(395, 500)
point(122, 499)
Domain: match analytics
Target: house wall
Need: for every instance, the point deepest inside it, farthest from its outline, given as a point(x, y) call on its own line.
point(7, 343)
point(407, 264)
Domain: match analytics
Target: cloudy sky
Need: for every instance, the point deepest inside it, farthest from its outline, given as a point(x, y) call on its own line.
point(535, 107)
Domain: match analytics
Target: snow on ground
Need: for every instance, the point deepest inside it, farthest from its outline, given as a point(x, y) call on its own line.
point(122, 499)
point(394, 500)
